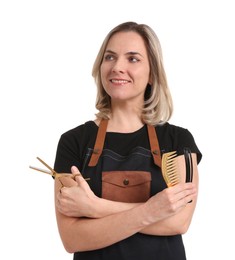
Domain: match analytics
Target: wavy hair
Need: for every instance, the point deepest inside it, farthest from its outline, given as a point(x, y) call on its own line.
point(158, 105)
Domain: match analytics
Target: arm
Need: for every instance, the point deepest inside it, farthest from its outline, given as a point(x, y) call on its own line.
point(179, 223)
point(122, 220)
point(87, 204)
point(76, 232)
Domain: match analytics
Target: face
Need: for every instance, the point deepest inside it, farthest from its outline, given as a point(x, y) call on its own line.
point(125, 68)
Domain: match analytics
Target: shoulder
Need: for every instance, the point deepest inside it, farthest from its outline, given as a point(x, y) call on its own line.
point(174, 137)
point(171, 129)
point(89, 126)
point(81, 132)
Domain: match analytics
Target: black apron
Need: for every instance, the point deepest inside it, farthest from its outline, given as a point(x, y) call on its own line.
point(131, 178)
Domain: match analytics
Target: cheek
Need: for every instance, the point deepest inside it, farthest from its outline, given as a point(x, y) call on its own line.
point(142, 76)
point(103, 76)
point(147, 76)
point(103, 72)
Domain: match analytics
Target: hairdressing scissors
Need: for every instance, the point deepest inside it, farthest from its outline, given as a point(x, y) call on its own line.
point(52, 172)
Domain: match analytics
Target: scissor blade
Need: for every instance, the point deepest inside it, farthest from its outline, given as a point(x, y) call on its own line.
point(48, 167)
point(41, 170)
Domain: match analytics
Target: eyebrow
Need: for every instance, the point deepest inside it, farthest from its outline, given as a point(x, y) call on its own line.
point(128, 53)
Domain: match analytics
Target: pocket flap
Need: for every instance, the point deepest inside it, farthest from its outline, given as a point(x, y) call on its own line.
point(126, 179)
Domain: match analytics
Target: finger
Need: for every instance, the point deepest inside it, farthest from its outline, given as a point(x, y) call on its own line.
point(187, 196)
point(61, 189)
point(183, 193)
point(186, 185)
point(76, 174)
point(181, 187)
point(67, 181)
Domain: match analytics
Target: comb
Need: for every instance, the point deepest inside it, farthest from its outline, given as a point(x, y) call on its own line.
point(170, 168)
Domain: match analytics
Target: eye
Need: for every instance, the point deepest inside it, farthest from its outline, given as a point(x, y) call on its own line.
point(108, 57)
point(133, 59)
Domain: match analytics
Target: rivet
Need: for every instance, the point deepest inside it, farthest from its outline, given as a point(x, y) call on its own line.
point(96, 151)
point(126, 182)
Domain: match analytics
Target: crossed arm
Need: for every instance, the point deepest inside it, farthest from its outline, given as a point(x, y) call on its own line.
point(87, 222)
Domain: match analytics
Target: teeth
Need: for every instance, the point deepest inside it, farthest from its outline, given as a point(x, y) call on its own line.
point(119, 81)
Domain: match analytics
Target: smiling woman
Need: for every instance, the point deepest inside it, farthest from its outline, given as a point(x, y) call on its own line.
point(126, 210)
point(141, 48)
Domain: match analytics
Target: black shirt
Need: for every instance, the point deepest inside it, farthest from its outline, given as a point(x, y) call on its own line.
point(74, 143)
point(72, 149)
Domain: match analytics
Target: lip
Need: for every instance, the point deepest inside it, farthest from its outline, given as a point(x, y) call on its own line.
point(119, 81)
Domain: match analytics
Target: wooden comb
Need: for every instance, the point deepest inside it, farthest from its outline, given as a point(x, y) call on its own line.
point(170, 168)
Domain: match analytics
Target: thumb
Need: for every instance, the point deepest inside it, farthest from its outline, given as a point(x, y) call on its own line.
point(76, 174)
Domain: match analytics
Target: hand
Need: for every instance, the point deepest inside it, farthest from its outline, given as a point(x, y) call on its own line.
point(169, 201)
point(75, 198)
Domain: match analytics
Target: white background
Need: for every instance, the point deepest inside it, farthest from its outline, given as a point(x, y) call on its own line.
point(47, 49)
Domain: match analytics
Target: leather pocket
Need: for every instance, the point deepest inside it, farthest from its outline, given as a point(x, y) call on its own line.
point(126, 186)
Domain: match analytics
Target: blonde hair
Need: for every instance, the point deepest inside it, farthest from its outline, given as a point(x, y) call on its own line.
point(158, 105)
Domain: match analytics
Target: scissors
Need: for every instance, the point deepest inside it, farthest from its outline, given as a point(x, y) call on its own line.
point(52, 172)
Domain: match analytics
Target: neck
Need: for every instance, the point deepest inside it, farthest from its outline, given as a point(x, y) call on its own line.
point(124, 121)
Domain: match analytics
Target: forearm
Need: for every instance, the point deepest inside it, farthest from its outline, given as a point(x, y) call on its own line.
point(105, 207)
point(173, 225)
point(177, 224)
point(116, 221)
point(83, 234)
point(110, 222)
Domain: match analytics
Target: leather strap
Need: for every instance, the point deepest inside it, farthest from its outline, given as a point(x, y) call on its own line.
point(99, 144)
point(154, 145)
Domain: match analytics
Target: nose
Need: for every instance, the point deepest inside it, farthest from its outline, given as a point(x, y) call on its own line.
point(119, 66)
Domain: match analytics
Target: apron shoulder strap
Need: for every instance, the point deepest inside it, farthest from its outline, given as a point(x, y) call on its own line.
point(99, 144)
point(154, 145)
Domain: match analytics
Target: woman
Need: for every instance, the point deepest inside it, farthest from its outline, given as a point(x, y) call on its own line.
point(124, 210)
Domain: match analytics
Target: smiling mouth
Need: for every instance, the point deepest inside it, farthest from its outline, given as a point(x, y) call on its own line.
point(119, 81)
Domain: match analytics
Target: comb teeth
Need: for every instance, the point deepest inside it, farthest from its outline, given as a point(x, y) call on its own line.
point(170, 169)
